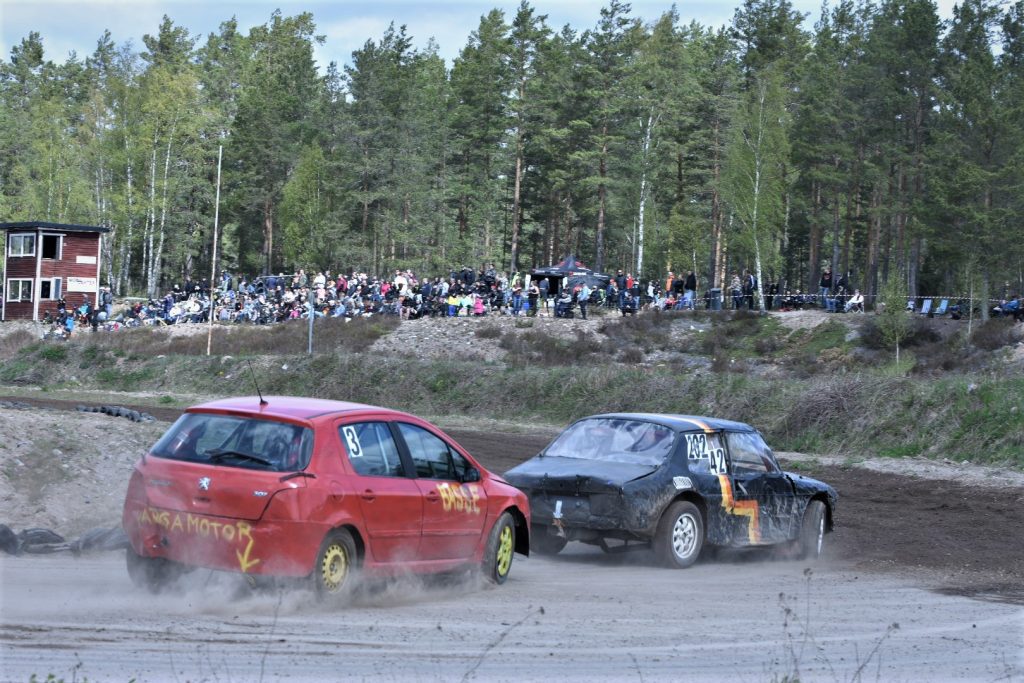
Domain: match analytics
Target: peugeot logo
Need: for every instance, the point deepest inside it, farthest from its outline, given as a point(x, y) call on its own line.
point(204, 483)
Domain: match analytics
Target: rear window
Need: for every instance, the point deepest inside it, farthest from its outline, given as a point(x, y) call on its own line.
point(614, 440)
point(237, 442)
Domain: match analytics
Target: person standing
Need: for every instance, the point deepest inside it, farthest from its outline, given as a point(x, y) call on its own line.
point(749, 287)
point(620, 284)
point(583, 298)
point(517, 296)
point(825, 286)
point(543, 290)
point(736, 290)
point(690, 290)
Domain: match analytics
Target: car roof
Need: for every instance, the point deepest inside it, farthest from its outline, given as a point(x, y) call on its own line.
point(289, 407)
point(682, 423)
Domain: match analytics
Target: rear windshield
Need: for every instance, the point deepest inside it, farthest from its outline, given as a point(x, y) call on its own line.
point(237, 442)
point(614, 440)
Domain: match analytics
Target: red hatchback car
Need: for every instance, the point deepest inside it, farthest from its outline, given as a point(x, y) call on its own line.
point(298, 487)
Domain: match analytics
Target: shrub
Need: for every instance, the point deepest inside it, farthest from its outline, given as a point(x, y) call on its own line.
point(994, 334)
point(14, 342)
point(766, 346)
point(488, 332)
point(632, 355)
point(53, 353)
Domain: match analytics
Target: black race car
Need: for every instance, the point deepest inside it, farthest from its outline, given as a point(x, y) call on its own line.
point(675, 482)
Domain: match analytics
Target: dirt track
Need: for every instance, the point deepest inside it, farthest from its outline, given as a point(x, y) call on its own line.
point(906, 551)
point(884, 520)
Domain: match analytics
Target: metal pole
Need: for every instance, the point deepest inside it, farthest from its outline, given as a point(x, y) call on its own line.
point(213, 261)
point(311, 299)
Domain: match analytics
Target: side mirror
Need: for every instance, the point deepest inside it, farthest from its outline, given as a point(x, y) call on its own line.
point(471, 474)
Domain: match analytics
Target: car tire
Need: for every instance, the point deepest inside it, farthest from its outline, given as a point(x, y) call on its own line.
point(154, 574)
point(501, 546)
point(812, 531)
point(336, 565)
point(544, 543)
point(679, 536)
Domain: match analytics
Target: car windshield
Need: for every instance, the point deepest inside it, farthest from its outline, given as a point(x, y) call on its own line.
point(237, 442)
point(614, 440)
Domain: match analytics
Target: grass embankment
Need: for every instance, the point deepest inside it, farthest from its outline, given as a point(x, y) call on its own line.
point(836, 405)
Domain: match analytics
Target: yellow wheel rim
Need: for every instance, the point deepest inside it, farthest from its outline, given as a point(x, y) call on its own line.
point(504, 551)
point(334, 568)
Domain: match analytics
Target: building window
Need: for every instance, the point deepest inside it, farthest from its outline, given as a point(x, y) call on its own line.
point(23, 244)
point(19, 290)
point(50, 289)
point(51, 247)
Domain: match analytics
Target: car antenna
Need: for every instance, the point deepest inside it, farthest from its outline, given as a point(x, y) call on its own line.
point(263, 401)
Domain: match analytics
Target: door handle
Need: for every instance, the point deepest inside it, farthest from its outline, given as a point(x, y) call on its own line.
point(433, 496)
point(368, 495)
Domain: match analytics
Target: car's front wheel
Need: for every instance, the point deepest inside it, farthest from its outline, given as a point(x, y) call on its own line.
point(680, 535)
point(501, 545)
point(336, 564)
point(812, 531)
point(154, 574)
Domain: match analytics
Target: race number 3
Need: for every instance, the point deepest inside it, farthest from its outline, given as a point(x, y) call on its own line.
point(355, 450)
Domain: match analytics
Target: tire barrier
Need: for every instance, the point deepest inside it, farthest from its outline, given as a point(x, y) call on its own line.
point(16, 405)
point(38, 541)
point(117, 411)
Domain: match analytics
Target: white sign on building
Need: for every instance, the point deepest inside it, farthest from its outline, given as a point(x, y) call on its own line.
point(81, 284)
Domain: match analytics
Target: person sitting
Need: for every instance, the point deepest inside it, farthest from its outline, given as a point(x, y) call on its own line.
point(1011, 307)
point(563, 304)
point(856, 302)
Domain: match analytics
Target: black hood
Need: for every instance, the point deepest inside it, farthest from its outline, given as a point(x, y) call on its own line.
point(551, 473)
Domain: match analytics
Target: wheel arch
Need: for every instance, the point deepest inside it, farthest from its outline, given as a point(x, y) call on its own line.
point(357, 538)
point(829, 524)
point(696, 499)
point(522, 530)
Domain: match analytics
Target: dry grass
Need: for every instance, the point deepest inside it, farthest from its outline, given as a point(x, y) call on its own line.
point(286, 338)
point(11, 344)
point(994, 334)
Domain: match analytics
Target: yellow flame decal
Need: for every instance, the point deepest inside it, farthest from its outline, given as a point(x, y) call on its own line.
point(743, 508)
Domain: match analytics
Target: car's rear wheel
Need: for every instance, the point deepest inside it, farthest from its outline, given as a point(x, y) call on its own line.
point(154, 574)
point(812, 531)
point(501, 545)
point(680, 535)
point(544, 543)
point(336, 564)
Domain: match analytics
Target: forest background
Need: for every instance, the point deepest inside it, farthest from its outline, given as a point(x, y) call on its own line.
point(882, 141)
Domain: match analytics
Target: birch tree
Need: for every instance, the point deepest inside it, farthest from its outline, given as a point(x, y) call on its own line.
point(755, 179)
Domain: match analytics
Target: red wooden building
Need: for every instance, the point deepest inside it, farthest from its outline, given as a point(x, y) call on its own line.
point(45, 262)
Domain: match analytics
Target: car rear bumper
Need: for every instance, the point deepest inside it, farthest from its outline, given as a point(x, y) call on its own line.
point(272, 548)
point(602, 513)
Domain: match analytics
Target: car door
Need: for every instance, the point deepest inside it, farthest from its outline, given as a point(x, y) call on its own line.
point(758, 480)
point(708, 466)
point(389, 499)
point(453, 511)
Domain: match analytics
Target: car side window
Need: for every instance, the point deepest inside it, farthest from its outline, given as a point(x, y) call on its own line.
point(766, 454)
point(371, 449)
point(747, 453)
point(430, 455)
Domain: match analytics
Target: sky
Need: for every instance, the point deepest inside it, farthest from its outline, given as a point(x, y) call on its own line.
point(67, 25)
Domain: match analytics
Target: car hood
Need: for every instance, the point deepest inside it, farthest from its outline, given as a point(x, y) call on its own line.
point(808, 485)
point(548, 473)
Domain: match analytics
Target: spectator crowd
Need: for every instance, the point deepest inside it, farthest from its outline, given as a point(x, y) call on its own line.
point(463, 292)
